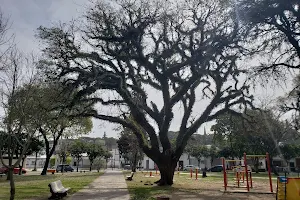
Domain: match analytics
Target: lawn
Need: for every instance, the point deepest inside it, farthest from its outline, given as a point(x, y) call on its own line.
point(143, 188)
point(31, 187)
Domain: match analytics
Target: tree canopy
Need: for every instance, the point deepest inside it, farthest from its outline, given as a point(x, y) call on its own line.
point(187, 51)
point(257, 132)
point(129, 148)
point(276, 24)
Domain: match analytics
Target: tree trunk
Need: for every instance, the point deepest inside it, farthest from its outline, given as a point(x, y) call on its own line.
point(288, 166)
point(21, 166)
point(90, 167)
point(77, 165)
point(256, 165)
point(274, 170)
point(166, 167)
point(35, 161)
point(49, 152)
point(133, 167)
point(44, 172)
point(9, 175)
point(12, 184)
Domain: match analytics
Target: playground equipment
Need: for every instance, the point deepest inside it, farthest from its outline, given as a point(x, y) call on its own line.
point(288, 188)
point(243, 173)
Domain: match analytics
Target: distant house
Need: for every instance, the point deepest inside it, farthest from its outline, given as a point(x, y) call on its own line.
point(30, 161)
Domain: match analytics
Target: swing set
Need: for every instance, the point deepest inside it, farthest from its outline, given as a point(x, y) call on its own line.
point(243, 173)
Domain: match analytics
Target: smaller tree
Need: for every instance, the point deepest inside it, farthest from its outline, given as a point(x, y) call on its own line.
point(198, 152)
point(68, 160)
point(225, 152)
point(212, 153)
point(52, 161)
point(93, 151)
point(98, 163)
point(106, 156)
point(36, 146)
point(77, 148)
point(289, 151)
point(129, 148)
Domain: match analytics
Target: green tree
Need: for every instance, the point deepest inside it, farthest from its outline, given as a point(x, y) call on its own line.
point(225, 152)
point(98, 163)
point(229, 132)
point(50, 112)
point(199, 152)
point(179, 49)
point(106, 156)
point(256, 132)
point(36, 146)
point(110, 143)
point(289, 151)
point(68, 160)
point(17, 131)
point(93, 151)
point(129, 148)
point(77, 148)
point(213, 153)
point(52, 161)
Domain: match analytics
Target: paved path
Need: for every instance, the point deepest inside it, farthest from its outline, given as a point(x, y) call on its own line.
point(111, 185)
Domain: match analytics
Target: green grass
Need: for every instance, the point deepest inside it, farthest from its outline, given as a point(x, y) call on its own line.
point(36, 186)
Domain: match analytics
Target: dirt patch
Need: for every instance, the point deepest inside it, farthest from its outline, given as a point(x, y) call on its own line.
point(210, 188)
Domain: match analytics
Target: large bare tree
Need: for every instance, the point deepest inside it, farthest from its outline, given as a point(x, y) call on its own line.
point(185, 51)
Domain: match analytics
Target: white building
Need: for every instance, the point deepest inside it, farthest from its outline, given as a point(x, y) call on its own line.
point(30, 161)
point(116, 159)
point(148, 164)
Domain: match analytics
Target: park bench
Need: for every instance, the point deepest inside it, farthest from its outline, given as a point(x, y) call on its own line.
point(129, 178)
point(57, 190)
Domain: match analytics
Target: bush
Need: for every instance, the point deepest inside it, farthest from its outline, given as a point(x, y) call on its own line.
point(52, 162)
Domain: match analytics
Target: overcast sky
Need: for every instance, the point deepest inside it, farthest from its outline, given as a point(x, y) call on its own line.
point(27, 15)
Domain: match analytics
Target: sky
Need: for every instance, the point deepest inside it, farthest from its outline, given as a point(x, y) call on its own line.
point(27, 15)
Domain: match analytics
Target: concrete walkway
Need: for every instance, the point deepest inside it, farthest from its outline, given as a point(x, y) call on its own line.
point(111, 185)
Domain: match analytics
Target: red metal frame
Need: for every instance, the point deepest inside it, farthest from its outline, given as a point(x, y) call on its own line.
point(224, 174)
point(251, 185)
point(246, 170)
point(248, 174)
point(238, 178)
point(269, 171)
